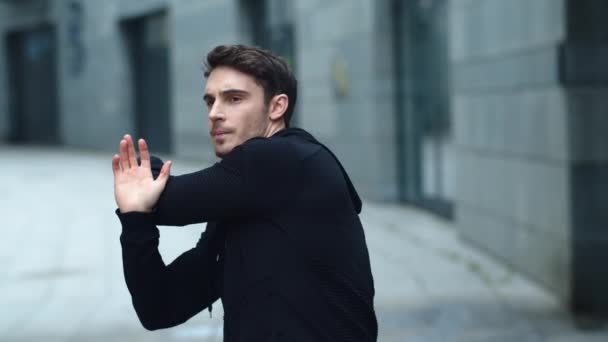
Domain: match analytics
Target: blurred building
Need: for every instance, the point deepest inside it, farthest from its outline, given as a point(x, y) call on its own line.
point(488, 112)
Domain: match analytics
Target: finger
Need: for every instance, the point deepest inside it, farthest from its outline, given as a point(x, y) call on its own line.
point(144, 153)
point(124, 155)
point(131, 151)
point(115, 165)
point(165, 171)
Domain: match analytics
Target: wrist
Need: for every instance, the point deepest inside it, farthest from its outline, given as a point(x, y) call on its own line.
point(134, 208)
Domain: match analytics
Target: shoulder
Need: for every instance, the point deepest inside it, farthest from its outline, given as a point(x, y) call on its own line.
point(286, 148)
point(270, 157)
point(259, 154)
point(282, 152)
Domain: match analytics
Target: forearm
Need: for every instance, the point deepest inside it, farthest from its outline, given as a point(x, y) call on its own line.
point(163, 296)
point(211, 194)
point(172, 208)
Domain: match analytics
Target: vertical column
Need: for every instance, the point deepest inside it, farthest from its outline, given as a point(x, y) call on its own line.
point(584, 74)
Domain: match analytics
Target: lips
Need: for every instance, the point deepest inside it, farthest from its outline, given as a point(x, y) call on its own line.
point(219, 133)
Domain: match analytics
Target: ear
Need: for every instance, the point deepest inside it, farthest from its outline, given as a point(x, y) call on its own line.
point(278, 106)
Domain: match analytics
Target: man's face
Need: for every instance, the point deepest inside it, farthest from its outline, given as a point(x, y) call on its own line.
point(236, 107)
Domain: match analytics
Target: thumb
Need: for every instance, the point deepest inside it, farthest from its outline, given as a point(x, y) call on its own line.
point(165, 171)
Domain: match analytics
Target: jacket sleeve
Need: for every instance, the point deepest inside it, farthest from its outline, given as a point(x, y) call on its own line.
point(249, 181)
point(166, 295)
point(211, 194)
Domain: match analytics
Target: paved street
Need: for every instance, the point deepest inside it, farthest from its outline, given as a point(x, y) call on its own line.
point(61, 276)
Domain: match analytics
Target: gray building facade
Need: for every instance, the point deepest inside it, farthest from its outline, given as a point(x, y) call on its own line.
point(488, 112)
point(528, 92)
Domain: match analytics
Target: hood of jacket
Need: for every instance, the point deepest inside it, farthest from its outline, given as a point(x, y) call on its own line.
point(300, 133)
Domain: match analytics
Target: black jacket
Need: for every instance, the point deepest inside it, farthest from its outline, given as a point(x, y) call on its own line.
point(284, 247)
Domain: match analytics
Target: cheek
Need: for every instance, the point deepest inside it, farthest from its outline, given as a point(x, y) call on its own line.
point(252, 119)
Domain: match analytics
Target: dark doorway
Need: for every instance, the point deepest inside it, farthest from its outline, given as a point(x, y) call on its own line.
point(148, 49)
point(32, 76)
point(422, 100)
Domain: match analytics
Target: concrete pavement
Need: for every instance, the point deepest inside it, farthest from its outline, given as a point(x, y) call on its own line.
point(61, 276)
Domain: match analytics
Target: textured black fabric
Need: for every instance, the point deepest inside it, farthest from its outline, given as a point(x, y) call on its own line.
point(284, 247)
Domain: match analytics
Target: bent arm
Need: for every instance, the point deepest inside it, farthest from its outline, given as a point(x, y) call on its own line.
point(256, 178)
point(166, 295)
point(211, 194)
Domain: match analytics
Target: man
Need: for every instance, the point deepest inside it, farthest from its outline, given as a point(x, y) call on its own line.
point(284, 247)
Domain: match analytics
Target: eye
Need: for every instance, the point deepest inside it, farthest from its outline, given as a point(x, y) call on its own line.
point(235, 99)
point(209, 103)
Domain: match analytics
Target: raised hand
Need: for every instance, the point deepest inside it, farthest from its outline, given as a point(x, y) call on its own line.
point(134, 187)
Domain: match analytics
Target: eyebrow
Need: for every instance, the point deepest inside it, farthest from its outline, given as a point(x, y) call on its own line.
point(226, 92)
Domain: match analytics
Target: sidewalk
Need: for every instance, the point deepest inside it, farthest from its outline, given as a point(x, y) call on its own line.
point(433, 287)
point(62, 277)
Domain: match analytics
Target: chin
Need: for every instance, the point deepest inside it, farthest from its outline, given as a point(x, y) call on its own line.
point(222, 151)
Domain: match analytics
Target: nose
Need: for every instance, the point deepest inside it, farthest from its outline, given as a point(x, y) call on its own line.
point(215, 112)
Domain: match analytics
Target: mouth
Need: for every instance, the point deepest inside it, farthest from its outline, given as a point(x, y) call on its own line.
point(219, 134)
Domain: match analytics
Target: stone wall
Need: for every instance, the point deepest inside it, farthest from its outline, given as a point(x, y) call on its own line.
point(345, 73)
point(510, 134)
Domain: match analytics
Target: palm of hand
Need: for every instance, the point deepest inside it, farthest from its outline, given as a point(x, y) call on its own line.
point(134, 187)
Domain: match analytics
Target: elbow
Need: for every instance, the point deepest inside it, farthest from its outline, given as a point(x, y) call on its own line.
point(153, 323)
point(153, 317)
point(150, 325)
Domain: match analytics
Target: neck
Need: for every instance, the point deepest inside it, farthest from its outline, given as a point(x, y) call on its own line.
point(273, 128)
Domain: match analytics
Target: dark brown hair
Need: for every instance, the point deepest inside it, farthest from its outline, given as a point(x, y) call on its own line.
point(269, 71)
